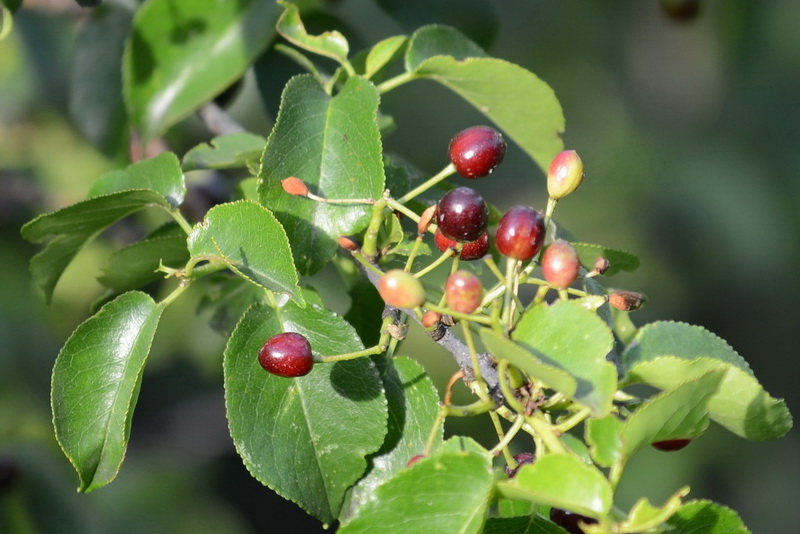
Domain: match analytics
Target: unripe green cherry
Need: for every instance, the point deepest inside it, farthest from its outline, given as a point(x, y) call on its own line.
point(463, 292)
point(560, 264)
point(400, 289)
point(565, 174)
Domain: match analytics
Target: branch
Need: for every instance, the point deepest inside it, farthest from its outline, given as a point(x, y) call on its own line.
point(218, 121)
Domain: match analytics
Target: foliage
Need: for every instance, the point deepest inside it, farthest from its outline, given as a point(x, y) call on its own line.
point(561, 371)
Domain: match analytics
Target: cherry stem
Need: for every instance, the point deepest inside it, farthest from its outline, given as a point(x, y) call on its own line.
point(413, 254)
point(511, 399)
point(508, 310)
point(502, 445)
point(476, 408)
point(480, 319)
point(177, 292)
point(376, 349)
point(572, 420)
point(370, 246)
point(397, 206)
point(548, 213)
point(547, 434)
point(183, 223)
point(396, 81)
point(447, 254)
point(427, 184)
point(435, 430)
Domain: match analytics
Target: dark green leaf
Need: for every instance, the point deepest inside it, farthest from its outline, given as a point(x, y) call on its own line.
point(432, 41)
point(48, 265)
point(306, 438)
point(619, 260)
point(333, 145)
point(476, 18)
point(521, 525)
point(668, 354)
point(96, 382)
point(515, 99)
point(182, 53)
point(365, 310)
point(644, 516)
point(413, 407)
point(549, 332)
point(331, 44)
point(136, 265)
point(447, 492)
point(551, 375)
point(228, 297)
point(678, 414)
point(95, 96)
point(706, 517)
point(12, 5)
point(226, 152)
point(249, 239)
point(563, 481)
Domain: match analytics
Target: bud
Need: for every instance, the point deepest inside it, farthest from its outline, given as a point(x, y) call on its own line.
point(565, 174)
point(425, 219)
point(347, 243)
point(601, 265)
point(294, 186)
point(626, 300)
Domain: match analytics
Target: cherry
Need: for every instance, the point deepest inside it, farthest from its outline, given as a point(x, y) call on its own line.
point(520, 233)
point(521, 458)
point(570, 521)
point(476, 151)
point(414, 459)
point(471, 250)
point(560, 264)
point(400, 289)
point(463, 292)
point(287, 354)
point(565, 174)
point(462, 214)
point(671, 444)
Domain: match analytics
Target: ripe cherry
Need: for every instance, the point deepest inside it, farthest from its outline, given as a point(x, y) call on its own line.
point(570, 521)
point(560, 264)
point(520, 233)
point(521, 458)
point(476, 151)
point(287, 354)
point(462, 214)
point(671, 444)
point(471, 250)
point(463, 292)
point(400, 289)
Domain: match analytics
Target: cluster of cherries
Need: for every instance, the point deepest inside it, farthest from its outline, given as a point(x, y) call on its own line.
point(461, 217)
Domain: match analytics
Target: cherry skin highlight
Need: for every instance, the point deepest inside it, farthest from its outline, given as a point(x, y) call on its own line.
point(476, 151)
point(287, 355)
point(462, 214)
point(520, 233)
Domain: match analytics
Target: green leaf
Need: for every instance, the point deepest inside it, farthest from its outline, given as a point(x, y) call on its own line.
point(551, 375)
point(521, 525)
point(668, 354)
point(448, 492)
point(226, 152)
point(161, 174)
point(136, 265)
point(413, 408)
point(330, 44)
point(562, 481)
point(182, 53)
point(476, 18)
point(551, 333)
point(515, 99)
point(431, 41)
point(383, 53)
point(619, 260)
point(644, 516)
point(96, 381)
point(307, 437)
point(251, 241)
point(677, 414)
point(12, 5)
point(155, 182)
point(334, 146)
point(95, 97)
point(706, 517)
point(604, 440)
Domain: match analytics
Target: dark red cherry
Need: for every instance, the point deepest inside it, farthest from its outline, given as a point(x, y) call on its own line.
point(476, 151)
point(570, 521)
point(287, 354)
point(471, 250)
point(520, 233)
point(671, 444)
point(462, 214)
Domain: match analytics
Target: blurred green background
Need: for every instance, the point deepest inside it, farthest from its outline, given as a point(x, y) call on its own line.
point(689, 133)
